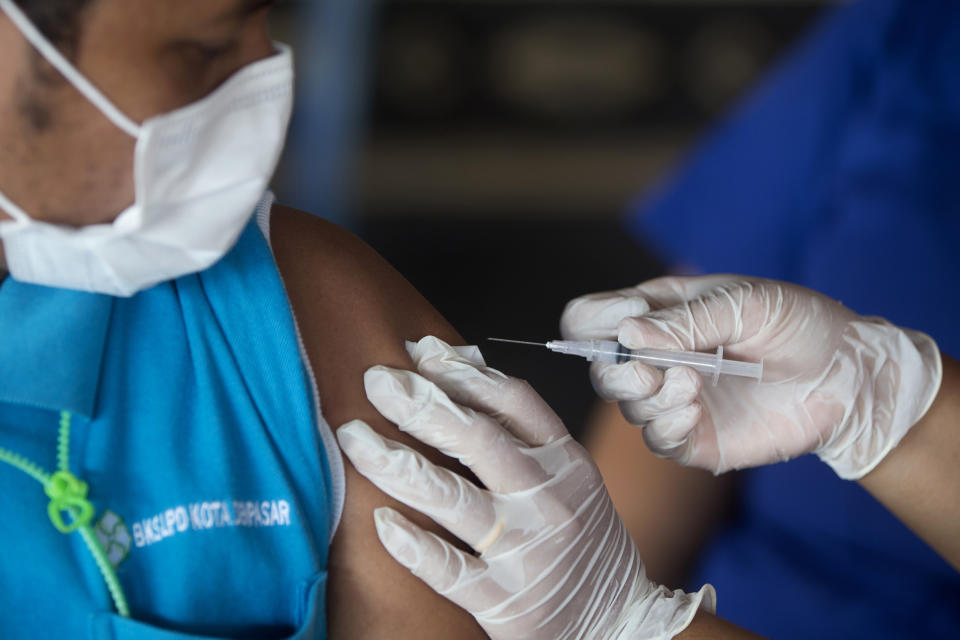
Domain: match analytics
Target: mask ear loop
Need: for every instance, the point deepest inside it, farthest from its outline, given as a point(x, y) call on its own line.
point(11, 208)
point(61, 64)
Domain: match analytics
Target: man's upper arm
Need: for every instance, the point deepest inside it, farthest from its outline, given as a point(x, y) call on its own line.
point(355, 311)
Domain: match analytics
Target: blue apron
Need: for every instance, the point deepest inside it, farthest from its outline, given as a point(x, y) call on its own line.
point(841, 172)
point(195, 426)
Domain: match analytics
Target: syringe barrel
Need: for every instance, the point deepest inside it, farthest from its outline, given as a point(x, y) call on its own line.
point(710, 364)
point(702, 362)
point(608, 351)
point(611, 351)
point(743, 369)
point(592, 350)
point(705, 363)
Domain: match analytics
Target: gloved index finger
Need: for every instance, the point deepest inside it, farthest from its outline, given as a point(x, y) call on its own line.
point(509, 400)
point(724, 315)
point(420, 408)
point(668, 291)
point(596, 316)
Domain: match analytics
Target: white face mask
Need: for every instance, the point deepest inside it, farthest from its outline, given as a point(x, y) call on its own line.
point(198, 174)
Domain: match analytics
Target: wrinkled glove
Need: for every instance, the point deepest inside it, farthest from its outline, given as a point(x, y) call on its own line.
point(837, 384)
point(554, 559)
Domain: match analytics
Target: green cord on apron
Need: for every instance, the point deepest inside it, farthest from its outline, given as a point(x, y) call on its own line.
point(68, 494)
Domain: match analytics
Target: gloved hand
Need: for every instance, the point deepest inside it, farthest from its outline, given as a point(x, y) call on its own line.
point(843, 386)
point(554, 560)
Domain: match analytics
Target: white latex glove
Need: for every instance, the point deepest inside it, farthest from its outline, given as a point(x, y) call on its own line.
point(554, 560)
point(837, 384)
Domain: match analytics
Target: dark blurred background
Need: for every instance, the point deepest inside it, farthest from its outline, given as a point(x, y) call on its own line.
point(489, 148)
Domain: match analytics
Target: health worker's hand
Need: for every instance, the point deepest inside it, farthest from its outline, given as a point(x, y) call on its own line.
point(553, 560)
point(835, 383)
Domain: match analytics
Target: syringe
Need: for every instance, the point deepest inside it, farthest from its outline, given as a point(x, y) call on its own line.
point(711, 364)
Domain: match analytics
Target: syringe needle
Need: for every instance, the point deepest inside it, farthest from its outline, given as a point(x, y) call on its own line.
point(536, 344)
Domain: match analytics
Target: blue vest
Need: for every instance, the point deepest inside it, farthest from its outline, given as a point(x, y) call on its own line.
point(839, 172)
point(195, 425)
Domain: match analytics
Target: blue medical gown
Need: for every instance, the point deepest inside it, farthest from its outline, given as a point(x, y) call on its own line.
point(841, 172)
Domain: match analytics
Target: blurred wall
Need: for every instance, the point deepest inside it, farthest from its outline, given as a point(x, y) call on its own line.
point(331, 42)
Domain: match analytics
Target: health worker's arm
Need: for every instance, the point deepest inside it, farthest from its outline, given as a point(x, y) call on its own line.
point(355, 311)
point(861, 393)
point(919, 480)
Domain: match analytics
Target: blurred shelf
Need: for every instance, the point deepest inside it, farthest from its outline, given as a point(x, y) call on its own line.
point(499, 175)
point(568, 66)
point(551, 109)
point(600, 3)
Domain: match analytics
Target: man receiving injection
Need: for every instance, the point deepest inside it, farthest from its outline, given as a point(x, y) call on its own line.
point(877, 403)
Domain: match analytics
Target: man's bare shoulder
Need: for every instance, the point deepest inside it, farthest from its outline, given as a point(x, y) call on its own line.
point(355, 311)
point(329, 266)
